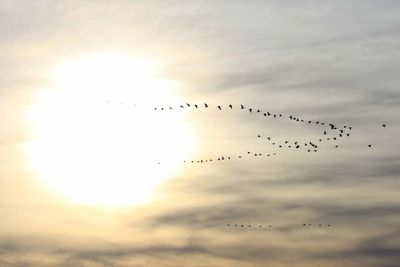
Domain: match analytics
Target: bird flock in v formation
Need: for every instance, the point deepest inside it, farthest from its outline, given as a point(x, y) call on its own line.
point(329, 132)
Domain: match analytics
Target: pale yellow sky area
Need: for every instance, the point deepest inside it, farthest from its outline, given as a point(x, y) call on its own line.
point(91, 174)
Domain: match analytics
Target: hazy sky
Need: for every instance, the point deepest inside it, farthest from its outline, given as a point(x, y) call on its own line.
point(335, 61)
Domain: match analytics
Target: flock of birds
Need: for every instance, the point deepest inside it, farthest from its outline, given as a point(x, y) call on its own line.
point(253, 226)
point(329, 132)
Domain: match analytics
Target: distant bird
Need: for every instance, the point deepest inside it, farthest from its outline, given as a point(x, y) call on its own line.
point(170, 107)
point(258, 111)
point(274, 115)
point(241, 106)
point(188, 104)
point(383, 125)
point(324, 132)
point(269, 138)
point(230, 106)
point(369, 145)
point(155, 108)
point(258, 136)
point(195, 106)
point(350, 128)
point(265, 114)
point(182, 106)
point(219, 107)
point(205, 105)
point(336, 146)
point(250, 109)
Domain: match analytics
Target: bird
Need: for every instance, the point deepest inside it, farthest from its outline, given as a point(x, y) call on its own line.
point(258, 111)
point(241, 106)
point(205, 105)
point(258, 136)
point(265, 114)
point(230, 106)
point(324, 132)
point(383, 125)
point(188, 104)
point(369, 145)
point(250, 109)
point(219, 107)
point(195, 106)
point(182, 106)
point(336, 146)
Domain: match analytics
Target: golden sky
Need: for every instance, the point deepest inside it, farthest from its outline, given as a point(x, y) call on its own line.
point(97, 137)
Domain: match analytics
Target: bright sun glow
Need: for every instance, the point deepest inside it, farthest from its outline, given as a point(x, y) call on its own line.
point(92, 145)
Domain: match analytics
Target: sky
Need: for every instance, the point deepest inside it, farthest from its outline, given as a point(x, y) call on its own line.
point(333, 61)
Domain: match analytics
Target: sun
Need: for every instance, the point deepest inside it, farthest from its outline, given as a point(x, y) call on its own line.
point(96, 138)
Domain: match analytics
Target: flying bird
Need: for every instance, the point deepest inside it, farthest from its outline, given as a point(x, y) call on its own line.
point(219, 107)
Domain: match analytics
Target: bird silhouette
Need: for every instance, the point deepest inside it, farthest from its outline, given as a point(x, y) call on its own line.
point(241, 106)
point(195, 106)
point(205, 105)
point(219, 107)
point(230, 106)
point(383, 125)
